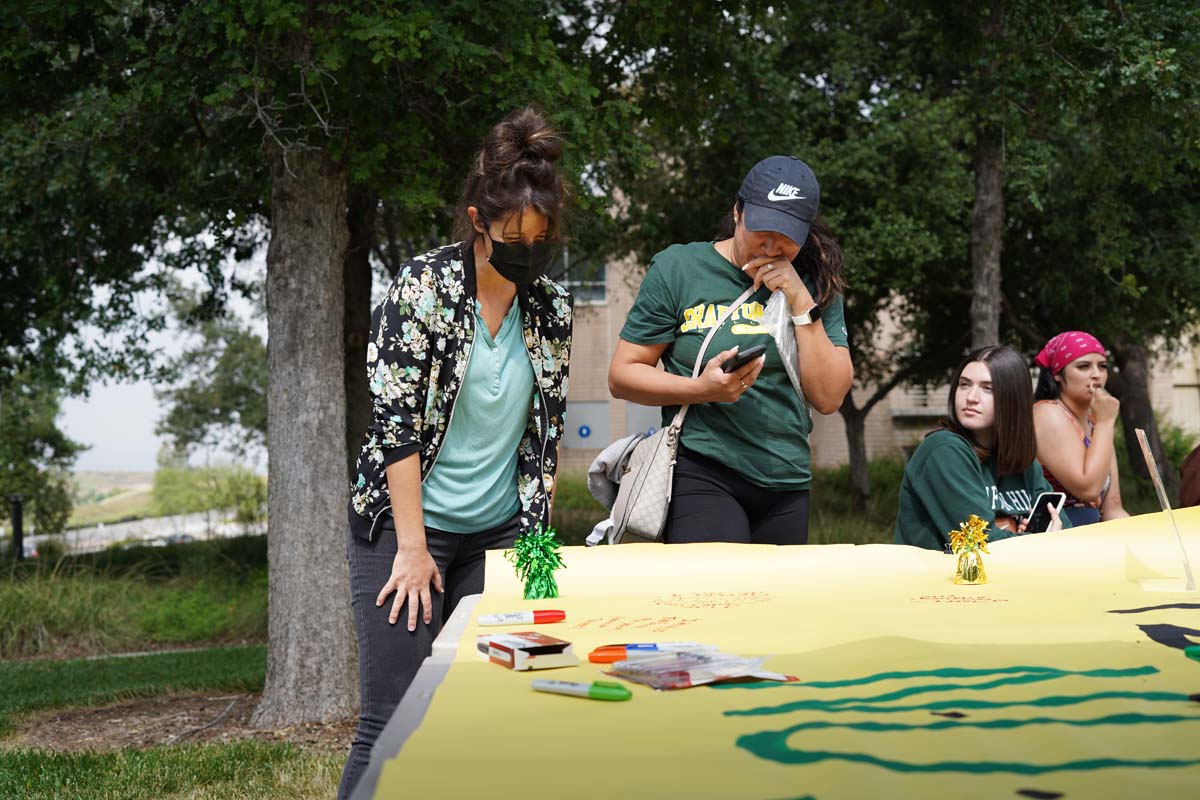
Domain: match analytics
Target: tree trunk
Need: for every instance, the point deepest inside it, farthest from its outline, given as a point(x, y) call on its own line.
point(987, 214)
point(360, 220)
point(987, 228)
point(855, 420)
point(1132, 387)
point(311, 673)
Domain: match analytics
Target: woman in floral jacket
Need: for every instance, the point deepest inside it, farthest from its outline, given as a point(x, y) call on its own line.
point(467, 365)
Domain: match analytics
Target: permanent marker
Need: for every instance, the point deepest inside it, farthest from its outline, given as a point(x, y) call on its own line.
point(610, 653)
point(523, 618)
point(596, 690)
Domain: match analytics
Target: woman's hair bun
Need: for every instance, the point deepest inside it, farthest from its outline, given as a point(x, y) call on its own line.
point(522, 135)
point(516, 168)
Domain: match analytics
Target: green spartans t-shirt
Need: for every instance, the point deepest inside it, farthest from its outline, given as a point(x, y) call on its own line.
point(763, 436)
point(945, 483)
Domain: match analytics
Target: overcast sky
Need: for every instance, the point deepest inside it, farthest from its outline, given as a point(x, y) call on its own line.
point(117, 420)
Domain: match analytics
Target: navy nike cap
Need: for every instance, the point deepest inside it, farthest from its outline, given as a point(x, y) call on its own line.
point(781, 195)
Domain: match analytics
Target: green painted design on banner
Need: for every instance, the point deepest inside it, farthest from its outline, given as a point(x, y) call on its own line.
point(945, 672)
point(773, 745)
point(1029, 675)
point(834, 707)
point(992, 724)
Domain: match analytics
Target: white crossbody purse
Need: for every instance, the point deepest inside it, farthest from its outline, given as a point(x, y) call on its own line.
point(639, 512)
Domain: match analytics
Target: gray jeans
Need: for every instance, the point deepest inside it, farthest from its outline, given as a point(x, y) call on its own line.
point(389, 655)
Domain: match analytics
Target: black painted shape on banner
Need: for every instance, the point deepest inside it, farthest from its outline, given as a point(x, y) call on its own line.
point(1184, 606)
point(1170, 635)
point(1039, 794)
point(951, 714)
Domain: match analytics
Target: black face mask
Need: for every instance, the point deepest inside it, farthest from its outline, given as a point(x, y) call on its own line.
point(522, 263)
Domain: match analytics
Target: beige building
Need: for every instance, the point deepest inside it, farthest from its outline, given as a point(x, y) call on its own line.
point(594, 418)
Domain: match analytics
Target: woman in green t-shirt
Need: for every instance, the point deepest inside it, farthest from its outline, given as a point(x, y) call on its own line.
point(743, 468)
point(981, 461)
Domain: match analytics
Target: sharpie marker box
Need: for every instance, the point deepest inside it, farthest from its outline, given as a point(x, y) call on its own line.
point(525, 650)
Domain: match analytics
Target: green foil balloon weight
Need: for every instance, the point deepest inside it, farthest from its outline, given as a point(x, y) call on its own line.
point(535, 554)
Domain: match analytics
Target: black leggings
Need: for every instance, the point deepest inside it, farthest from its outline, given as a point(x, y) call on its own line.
point(712, 503)
point(388, 655)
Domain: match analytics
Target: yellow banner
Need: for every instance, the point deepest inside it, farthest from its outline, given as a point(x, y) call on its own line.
point(1065, 675)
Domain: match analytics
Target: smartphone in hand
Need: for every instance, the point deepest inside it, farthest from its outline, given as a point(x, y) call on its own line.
point(743, 357)
point(1039, 516)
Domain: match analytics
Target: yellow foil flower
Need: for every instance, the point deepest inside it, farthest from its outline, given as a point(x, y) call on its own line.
point(970, 537)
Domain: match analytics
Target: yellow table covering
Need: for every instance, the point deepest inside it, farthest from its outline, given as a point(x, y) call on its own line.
point(1064, 676)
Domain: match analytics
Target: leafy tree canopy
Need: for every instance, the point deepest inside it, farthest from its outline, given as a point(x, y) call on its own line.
point(134, 135)
point(35, 456)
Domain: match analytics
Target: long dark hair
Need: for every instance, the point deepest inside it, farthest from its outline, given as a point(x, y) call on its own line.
point(1016, 444)
point(516, 169)
point(1047, 388)
point(820, 255)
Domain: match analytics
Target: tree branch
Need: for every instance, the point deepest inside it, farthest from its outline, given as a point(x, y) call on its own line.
point(901, 375)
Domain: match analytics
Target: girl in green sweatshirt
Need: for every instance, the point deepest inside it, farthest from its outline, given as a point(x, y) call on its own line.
point(981, 461)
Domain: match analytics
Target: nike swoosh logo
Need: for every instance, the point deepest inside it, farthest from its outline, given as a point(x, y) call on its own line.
point(777, 197)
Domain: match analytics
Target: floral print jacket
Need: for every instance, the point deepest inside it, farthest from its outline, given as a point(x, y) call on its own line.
point(421, 337)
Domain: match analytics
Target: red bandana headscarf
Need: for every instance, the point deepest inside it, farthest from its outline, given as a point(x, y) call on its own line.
point(1065, 348)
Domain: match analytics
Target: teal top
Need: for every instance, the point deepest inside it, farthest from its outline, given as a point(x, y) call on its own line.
point(764, 435)
point(473, 484)
point(945, 482)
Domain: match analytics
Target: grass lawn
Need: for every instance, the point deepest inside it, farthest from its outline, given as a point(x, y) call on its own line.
point(35, 685)
point(245, 769)
point(127, 504)
point(239, 771)
point(124, 600)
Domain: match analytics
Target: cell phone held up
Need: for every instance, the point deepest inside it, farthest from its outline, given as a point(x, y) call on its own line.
point(1039, 516)
point(743, 357)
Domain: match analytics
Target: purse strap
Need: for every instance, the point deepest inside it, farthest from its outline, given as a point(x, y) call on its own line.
point(677, 423)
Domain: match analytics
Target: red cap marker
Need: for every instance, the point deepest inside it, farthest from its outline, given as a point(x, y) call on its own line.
point(523, 618)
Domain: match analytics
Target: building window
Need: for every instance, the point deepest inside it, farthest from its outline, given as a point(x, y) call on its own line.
point(586, 279)
point(918, 402)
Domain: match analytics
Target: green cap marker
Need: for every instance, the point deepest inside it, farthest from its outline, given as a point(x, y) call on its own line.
point(596, 690)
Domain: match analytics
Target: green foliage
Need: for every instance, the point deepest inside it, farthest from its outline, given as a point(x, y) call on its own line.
point(50, 552)
point(232, 489)
point(183, 490)
point(221, 395)
point(35, 456)
point(33, 685)
point(884, 100)
point(1137, 493)
point(133, 133)
point(243, 493)
point(832, 518)
point(246, 770)
point(237, 555)
point(208, 611)
point(121, 599)
point(53, 614)
point(1177, 443)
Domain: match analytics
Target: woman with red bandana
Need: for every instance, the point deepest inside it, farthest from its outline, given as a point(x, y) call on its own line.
point(1074, 418)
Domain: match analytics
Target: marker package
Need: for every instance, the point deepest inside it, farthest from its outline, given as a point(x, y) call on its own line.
point(680, 670)
point(525, 650)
